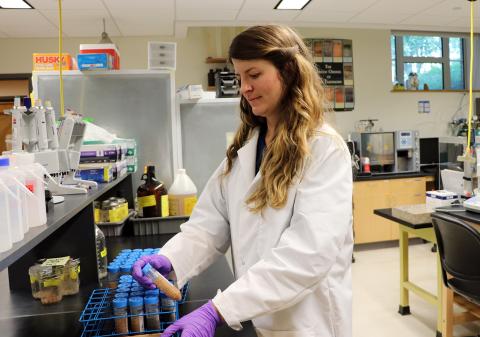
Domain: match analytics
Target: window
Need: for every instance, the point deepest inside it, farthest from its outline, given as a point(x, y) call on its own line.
point(438, 61)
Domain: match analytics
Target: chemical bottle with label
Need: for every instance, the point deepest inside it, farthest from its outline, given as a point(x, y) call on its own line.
point(152, 196)
point(183, 194)
point(101, 247)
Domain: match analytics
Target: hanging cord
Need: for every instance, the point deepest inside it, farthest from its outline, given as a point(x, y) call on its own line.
point(470, 95)
point(60, 56)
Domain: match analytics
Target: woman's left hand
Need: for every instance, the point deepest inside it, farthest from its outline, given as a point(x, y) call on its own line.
point(199, 323)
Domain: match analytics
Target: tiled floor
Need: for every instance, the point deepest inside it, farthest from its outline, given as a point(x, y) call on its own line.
point(376, 295)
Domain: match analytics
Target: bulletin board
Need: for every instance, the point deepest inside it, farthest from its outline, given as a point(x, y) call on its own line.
point(334, 61)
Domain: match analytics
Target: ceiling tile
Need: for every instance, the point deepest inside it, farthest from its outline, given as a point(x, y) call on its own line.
point(375, 17)
point(269, 15)
point(403, 7)
point(12, 23)
point(209, 5)
point(428, 20)
point(205, 14)
point(67, 4)
point(325, 16)
point(138, 23)
point(84, 22)
point(452, 8)
point(139, 4)
point(339, 5)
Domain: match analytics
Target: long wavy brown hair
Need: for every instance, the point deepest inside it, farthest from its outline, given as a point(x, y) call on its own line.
point(301, 111)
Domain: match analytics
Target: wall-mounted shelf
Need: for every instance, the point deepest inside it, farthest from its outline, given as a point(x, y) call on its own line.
point(216, 60)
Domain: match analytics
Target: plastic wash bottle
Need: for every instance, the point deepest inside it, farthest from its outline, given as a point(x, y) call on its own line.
point(182, 196)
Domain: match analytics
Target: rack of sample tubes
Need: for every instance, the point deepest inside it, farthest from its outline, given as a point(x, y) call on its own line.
point(126, 308)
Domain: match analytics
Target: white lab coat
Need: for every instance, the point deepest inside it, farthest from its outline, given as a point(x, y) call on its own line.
point(292, 265)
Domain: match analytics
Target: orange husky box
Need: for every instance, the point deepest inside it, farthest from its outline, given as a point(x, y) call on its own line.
point(49, 61)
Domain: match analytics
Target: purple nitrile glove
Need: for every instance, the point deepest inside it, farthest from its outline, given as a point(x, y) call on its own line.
point(199, 323)
point(159, 262)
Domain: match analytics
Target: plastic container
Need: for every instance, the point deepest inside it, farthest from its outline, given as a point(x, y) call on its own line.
point(34, 274)
point(15, 200)
point(156, 226)
point(151, 309)
point(136, 308)
point(120, 311)
point(182, 195)
point(5, 225)
point(101, 246)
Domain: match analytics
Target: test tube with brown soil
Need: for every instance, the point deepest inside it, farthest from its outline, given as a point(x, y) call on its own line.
point(120, 313)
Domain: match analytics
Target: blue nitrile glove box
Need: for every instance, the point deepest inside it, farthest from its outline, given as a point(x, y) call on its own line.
point(94, 61)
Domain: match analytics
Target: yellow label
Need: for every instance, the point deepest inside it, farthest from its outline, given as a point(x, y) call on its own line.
point(147, 201)
point(173, 205)
point(96, 215)
point(51, 283)
point(165, 207)
point(124, 210)
point(74, 272)
point(106, 174)
point(188, 204)
point(103, 253)
point(114, 215)
point(57, 261)
point(33, 279)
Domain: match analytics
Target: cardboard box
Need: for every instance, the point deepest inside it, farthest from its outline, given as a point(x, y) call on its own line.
point(94, 61)
point(101, 48)
point(49, 61)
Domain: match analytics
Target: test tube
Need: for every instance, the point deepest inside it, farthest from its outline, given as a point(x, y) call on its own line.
point(136, 310)
point(120, 311)
point(161, 282)
point(151, 309)
point(113, 272)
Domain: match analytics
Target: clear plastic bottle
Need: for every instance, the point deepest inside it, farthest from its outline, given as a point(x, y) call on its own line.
point(136, 310)
point(102, 261)
point(182, 195)
point(151, 309)
point(120, 310)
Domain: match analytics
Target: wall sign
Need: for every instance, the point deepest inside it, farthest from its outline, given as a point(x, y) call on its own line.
point(334, 61)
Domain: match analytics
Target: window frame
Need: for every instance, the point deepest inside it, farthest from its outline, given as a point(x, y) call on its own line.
point(445, 60)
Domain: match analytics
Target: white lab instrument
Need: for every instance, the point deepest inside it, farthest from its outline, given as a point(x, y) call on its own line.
point(34, 130)
point(472, 204)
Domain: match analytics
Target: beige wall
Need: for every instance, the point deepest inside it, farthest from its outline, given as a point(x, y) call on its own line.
point(371, 51)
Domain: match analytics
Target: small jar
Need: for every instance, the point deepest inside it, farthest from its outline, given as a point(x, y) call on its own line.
point(71, 280)
point(105, 211)
point(34, 273)
point(97, 205)
point(136, 312)
point(151, 309)
point(120, 315)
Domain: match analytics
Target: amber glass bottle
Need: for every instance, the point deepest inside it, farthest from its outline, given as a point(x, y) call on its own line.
point(152, 196)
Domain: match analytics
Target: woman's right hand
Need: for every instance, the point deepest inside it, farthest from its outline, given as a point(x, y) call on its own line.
point(159, 262)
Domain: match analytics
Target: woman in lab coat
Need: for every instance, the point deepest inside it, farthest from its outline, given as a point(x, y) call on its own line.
point(282, 200)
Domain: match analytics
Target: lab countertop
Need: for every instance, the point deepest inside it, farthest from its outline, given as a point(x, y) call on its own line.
point(22, 316)
point(391, 176)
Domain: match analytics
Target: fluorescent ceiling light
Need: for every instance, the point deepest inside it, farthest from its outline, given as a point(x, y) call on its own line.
point(17, 4)
point(292, 4)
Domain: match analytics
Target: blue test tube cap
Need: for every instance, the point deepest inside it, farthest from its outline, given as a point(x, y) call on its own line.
point(138, 250)
point(119, 302)
point(148, 250)
point(150, 300)
point(122, 290)
point(125, 251)
point(126, 277)
point(137, 289)
point(4, 161)
point(137, 293)
point(126, 268)
point(135, 284)
point(121, 295)
point(135, 301)
point(146, 268)
point(113, 268)
point(152, 292)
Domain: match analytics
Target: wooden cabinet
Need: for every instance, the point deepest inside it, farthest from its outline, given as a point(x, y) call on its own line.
point(385, 193)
